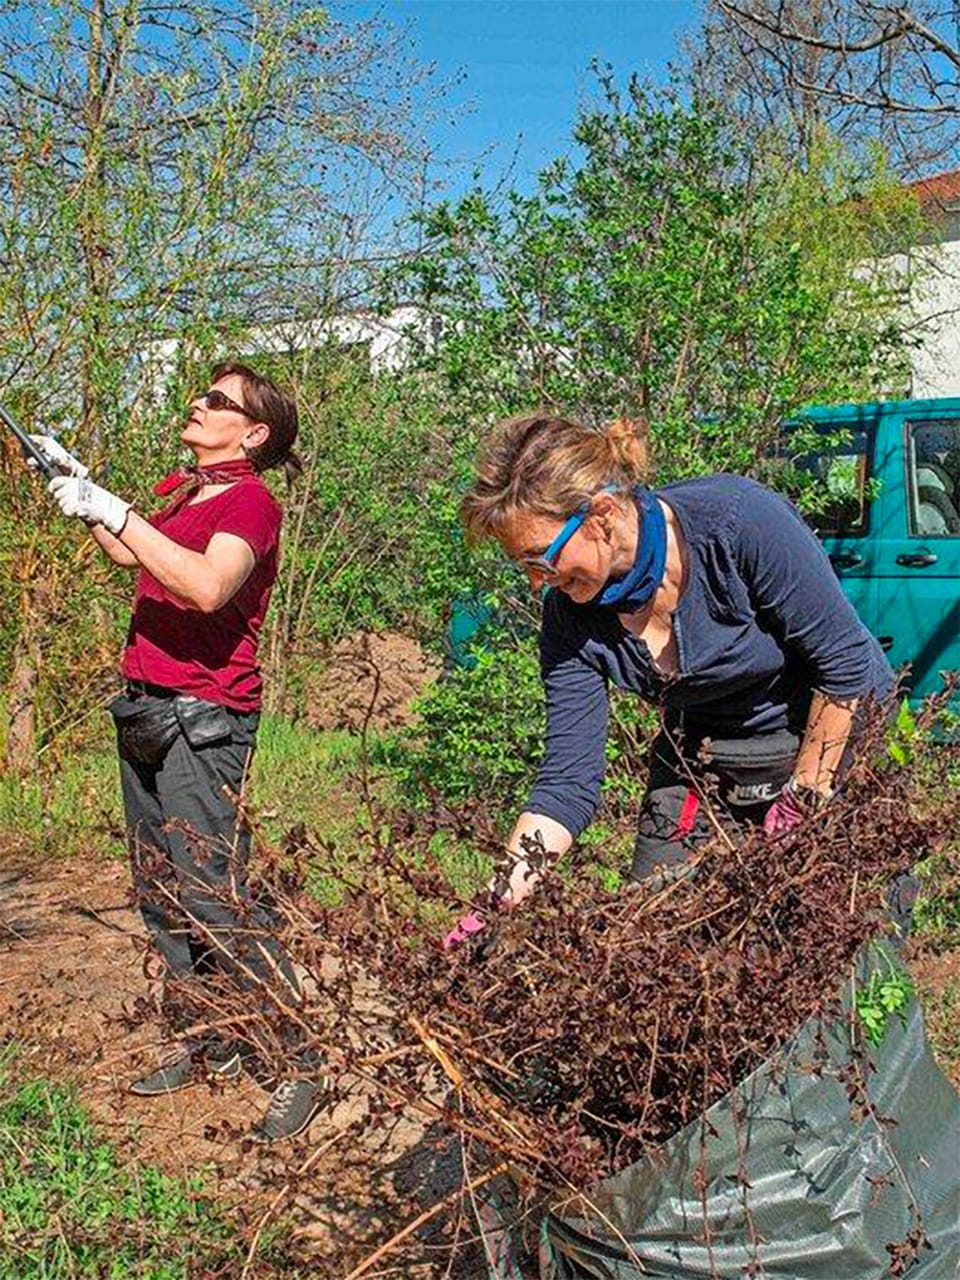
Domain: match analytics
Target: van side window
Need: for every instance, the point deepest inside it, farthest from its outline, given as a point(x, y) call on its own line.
point(933, 476)
point(838, 501)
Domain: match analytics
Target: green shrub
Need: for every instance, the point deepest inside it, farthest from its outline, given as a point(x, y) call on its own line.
point(480, 735)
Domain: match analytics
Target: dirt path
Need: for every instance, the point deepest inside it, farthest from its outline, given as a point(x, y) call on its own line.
point(71, 970)
point(71, 976)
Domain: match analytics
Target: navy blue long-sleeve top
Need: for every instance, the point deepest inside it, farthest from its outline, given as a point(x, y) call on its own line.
point(761, 624)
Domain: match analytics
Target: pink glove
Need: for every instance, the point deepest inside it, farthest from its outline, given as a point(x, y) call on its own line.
point(465, 929)
point(786, 812)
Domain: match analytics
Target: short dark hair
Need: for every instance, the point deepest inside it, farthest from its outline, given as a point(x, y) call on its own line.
point(272, 405)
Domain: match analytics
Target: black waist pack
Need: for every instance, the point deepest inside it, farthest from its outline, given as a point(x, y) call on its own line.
point(203, 723)
point(751, 770)
point(148, 726)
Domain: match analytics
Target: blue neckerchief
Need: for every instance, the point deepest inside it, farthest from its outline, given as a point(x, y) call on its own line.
point(637, 586)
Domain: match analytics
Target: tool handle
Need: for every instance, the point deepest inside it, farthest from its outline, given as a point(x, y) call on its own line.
point(45, 464)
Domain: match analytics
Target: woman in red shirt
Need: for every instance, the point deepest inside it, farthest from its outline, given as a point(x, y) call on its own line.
point(187, 722)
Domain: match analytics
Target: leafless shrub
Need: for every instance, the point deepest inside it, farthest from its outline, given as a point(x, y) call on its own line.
point(593, 1026)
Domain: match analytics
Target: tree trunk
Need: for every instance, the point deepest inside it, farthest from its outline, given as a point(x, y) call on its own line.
point(21, 747)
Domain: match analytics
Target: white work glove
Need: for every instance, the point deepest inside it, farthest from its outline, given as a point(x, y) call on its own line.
point(58, 455)
point(79, 496)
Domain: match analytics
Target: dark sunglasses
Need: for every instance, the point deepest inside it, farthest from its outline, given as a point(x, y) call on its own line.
point(215, 400)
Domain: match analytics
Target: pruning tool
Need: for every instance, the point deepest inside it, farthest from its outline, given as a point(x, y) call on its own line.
point(46, 465)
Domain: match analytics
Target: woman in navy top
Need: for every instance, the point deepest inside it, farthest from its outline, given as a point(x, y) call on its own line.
point(709, 597)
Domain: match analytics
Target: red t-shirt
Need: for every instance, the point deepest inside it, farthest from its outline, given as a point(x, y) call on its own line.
point(209, 655)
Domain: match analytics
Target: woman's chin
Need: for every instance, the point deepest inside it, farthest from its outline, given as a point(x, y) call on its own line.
point(580, 592)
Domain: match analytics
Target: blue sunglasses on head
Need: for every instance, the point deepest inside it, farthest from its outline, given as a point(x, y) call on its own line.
point(546, 561)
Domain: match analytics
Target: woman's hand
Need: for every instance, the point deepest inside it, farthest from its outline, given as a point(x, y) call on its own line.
point(58, 455)
point(786, 812)
point(77, 495)
point(466, 928)
point(793, 805)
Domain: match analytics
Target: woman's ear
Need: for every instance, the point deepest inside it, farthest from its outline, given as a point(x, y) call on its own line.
point(258, 434)
point(604, 512)
point(599, 526)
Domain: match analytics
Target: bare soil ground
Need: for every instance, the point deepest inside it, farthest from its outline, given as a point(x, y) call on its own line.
point(385, 669)
point(72, 963)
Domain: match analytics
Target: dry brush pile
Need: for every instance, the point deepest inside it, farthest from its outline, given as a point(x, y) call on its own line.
point(591, 1026)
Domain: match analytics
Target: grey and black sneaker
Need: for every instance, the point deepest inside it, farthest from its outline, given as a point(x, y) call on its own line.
point(292, 1106)
point(184, 1072)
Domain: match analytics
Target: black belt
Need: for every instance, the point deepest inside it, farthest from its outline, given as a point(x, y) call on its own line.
point(136, 687)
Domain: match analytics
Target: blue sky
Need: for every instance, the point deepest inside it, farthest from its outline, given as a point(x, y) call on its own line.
point(525, 67)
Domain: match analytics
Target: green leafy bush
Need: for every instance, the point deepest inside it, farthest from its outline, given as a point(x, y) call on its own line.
point(480, 731)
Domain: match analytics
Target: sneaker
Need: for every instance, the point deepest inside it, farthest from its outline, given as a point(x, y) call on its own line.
point(292, 1106)
point(184, 1072)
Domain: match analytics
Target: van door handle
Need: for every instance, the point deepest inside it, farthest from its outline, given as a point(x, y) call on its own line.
point(845, 559)
point(917, 559)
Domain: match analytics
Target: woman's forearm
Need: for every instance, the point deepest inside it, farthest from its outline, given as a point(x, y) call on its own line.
point(190, 575)
point(114, 548)
point(824, 740)
point(532, 831)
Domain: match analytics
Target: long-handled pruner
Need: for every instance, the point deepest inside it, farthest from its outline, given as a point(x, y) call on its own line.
point(46, 465)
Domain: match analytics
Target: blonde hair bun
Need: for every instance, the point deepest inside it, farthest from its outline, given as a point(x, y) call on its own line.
point(547, 466)
point(628, 440)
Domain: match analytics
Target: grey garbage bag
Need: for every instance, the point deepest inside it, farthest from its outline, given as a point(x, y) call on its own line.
point(794, 1174)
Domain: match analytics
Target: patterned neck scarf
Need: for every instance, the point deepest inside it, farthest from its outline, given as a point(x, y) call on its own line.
point(196, 477)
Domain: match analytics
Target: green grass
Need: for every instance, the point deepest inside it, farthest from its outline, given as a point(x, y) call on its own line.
point(302, 775)
point(299, 776)
point(71, 810)
point(72, 1209)
point(942, 1013)
point(936, 915)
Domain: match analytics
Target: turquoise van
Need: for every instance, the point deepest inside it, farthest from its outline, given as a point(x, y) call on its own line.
point(891, 530)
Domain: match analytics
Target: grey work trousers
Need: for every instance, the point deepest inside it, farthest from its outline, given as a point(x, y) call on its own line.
point(673, 822)
point(189, 853)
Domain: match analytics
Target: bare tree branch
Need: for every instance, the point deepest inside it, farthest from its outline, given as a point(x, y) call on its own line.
point(868, 72)
point(758, 18)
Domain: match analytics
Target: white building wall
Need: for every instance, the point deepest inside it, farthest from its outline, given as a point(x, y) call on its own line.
point(386, 339)
point(936, 363)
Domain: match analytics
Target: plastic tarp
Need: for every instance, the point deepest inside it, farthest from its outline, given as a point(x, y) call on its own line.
point(787, 1176)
